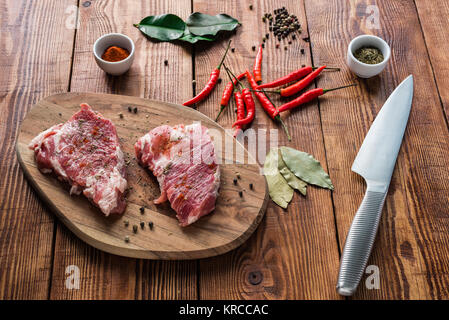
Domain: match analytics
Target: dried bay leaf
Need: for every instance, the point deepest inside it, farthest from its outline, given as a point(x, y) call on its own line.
point(292, 180)
point(306, 167)
point(280, 192)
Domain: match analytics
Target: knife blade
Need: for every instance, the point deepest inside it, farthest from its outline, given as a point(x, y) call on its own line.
point(375, 162)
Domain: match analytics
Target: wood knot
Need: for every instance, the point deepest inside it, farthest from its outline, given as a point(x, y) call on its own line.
point(86, 4)
point(255, 277)
point(407, 251)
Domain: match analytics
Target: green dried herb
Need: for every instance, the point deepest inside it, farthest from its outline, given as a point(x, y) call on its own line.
point(306, 167)
point(292, 180)
point(369, 55)
point(280, 192)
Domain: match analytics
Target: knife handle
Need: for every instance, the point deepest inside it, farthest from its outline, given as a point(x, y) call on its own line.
point(359, 242)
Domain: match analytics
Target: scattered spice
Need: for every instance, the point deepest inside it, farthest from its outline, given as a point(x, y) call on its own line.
point(283, 24)
point(233, 49)
point(307, 39)
point(251, 186)
point(126, 222)
point(219, 80)
point(150, 224)
point(135, 109)
point(142, 210)
point(130, 109)
point(240, 194)
point(114, 54)
point(238, 176)
point(250, 7)
point(120, 115)
point(253, 48)
point(60, 114)
point(142, 224)
point(235, 181)
point(302, 51)
point(369, 55)
point(126, 239)
point(135, 228)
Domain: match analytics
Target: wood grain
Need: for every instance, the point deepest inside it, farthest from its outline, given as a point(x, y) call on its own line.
point(31, 69)
point(111, 277)
point(411, 247)
point(433, 18)
point(285, 257)
point(294, 253)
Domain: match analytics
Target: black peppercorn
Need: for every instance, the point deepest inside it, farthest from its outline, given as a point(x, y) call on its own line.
point(240, 194)
point(166, 62)
point(254, 48)
point(302, 51)
point(150, 224)
point(142, 224)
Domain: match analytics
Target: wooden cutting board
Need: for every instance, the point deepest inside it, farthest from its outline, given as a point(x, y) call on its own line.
point(234, 219)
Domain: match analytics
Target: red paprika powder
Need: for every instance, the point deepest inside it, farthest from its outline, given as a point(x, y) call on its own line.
point(114, 54)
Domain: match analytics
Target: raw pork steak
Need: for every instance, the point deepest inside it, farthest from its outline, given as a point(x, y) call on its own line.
point(183, 160)
point(85, 152)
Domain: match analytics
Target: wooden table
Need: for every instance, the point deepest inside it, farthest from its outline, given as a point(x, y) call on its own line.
point(294, 254)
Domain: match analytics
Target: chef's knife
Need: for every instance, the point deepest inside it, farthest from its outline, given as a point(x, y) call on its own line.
point(375, 163)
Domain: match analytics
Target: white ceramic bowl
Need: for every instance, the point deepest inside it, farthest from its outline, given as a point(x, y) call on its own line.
point(114, 39)
point(365, 70)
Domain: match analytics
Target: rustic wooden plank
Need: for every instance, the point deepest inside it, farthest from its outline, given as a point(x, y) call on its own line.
point(433, 18)
point(294, 253)
point(32, 66)
point(104, 276)
point(411, 250)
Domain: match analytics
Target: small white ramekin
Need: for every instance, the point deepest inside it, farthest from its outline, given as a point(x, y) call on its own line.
point(114, 39)
point(365, 70)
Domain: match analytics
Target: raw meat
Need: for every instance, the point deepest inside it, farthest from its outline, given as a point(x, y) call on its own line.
point(85, 152)
point(183, 160)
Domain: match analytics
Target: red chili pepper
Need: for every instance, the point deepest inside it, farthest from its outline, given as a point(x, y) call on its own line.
point(240, 110)
point(266, 103)
point(298, 86)
point(263, 99)
point(213, 79)
point(257, 69)
point(250, 109)
point(308, 96)
point(247, 98)
point(295, 75)
point(227, 92)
